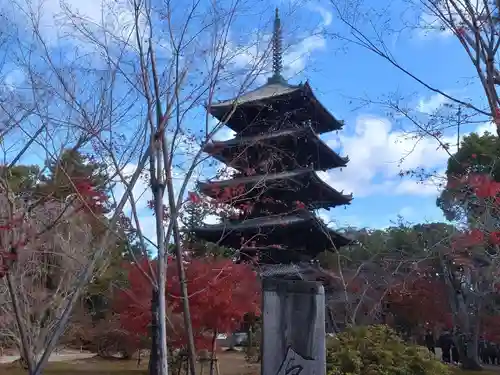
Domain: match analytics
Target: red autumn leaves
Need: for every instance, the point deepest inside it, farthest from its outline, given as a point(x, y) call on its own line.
point(235, 195)
point(487, 193)
point(423, 299)
point(220, 294)
point(419, 300)
point(92, 199)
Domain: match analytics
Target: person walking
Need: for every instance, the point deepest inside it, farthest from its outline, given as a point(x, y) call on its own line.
point(445, 343)
point(430, 342)
point(455, 355)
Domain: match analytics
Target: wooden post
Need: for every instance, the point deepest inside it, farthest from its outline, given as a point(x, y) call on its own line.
point(293, 328)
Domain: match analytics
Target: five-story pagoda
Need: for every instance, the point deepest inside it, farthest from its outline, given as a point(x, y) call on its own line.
point(276, 152)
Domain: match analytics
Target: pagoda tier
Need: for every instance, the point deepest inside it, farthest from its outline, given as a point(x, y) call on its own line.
point(276, 152)
point(295, 148)
point(275, 106)
point(300, 232)
point(272, 255)
point(301, 185)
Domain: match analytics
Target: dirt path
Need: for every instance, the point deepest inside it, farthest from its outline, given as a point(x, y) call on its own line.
point(60, 356)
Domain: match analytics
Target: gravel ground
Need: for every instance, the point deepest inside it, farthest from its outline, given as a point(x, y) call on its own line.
point(60, 356)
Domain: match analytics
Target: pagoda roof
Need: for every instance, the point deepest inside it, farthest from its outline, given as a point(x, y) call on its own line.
point(235, 112)
point(302, 185)
point(300, 230)
point(267, 255)
point(323, 157)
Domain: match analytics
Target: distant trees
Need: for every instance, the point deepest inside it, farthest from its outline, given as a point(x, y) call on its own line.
point(362, 275)
point(472, 198)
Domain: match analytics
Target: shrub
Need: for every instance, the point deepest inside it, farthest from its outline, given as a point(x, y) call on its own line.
point(378, 350)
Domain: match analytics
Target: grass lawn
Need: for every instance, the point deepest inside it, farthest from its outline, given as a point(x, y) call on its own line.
point(231, 363)
point(484, 372)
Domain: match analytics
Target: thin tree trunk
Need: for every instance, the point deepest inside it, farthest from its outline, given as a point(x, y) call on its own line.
point(467, 346)
point(153, 368)
point(178, 254)
point(250, 336)
point(158, 188)
point(232, 342)
point(25, 350)
point(213, 356)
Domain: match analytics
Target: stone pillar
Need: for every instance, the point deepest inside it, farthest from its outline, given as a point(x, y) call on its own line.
point(293, 328)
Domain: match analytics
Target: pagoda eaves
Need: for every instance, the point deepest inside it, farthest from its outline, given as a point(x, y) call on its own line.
point(272, 100)
point(301, 145)
point(302, 185)
point(300, 230)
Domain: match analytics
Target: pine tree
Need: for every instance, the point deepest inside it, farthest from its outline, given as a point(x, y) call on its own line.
point(69, 171)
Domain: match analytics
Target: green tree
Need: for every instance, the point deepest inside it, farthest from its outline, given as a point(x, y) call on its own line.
point(21, 178)
point(193, 216)
point(477, 154)
point(69, 170)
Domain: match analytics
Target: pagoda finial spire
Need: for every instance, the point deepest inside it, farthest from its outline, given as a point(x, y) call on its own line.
point(277, 51)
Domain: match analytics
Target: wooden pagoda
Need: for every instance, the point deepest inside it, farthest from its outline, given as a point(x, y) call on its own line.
point(276, 152)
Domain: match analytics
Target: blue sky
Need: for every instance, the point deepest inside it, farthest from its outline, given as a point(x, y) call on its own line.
point(341, 74)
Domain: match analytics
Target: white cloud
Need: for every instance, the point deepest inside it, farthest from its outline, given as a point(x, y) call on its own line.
point(140, 192)
point(55, 18)
point(431, 23)
point(148, 226)
point(295, 56)
point(428, 187)
point(431, 26)
point(489, 127)
point(13, 79)
point(223, 134)
point(378, 154)
point(334, 222)
point(406, 211)
point(432, 104)
point(326, 15)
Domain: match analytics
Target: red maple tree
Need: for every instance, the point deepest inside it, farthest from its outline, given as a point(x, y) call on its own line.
point(134, 303)
point(220, 294)
point(484, 193)
point(423, 298)
point(473, 250)
point(419, 301)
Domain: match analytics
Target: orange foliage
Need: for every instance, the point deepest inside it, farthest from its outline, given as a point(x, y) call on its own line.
point(220, 294)
point(419, 301)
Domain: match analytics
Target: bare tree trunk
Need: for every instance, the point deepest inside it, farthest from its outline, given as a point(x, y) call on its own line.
point(232, 341)
point(180, 266)
point(158, 188)
point(467, 347)
point(153, 356)
point(213, 356)
point(25, 348)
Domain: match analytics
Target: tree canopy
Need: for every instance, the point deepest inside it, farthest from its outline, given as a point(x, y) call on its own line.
point(478, 154)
